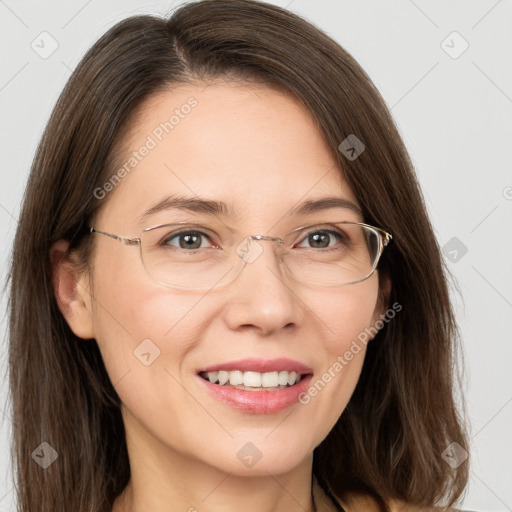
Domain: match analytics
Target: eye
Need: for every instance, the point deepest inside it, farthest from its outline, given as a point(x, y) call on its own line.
point(323, 238)
point(186, 240)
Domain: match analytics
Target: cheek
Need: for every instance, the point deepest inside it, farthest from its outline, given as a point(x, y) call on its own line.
point(346, 316)
point(141, 328)
point(346, 313)
point(144, 337)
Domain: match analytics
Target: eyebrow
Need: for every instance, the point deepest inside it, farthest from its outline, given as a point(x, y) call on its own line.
point(209, 207)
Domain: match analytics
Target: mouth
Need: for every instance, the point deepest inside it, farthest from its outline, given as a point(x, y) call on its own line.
point(253, 392)
point(253, 380)
point(256, 374)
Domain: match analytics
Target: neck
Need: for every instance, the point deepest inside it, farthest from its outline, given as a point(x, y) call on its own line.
point(279, 493)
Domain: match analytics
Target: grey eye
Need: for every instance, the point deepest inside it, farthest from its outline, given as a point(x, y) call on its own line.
point(321, 239)
point(186, 239)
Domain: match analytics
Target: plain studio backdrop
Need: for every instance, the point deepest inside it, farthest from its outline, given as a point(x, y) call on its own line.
point(445, 71)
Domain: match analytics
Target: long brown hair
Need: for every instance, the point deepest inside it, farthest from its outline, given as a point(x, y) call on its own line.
point(390, 439)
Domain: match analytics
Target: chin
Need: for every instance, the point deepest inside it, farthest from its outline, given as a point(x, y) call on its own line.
point(260, 456)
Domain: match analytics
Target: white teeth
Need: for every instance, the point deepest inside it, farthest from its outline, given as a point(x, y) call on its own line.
point(223, 377)
point(252, 379)
point(282, 380)
point(271, 380)
point(236, 378)
point(291, 378)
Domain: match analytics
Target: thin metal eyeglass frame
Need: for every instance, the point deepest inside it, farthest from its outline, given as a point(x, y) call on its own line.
point(384, 239)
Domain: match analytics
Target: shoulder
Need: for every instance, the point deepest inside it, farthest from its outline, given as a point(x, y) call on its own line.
point(364, 503)
point(401, 506)
point(356, 502)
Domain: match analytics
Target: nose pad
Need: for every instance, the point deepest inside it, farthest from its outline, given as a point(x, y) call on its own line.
point(249, 250)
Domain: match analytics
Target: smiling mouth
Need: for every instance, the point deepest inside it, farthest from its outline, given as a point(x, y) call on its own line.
point(254, 381)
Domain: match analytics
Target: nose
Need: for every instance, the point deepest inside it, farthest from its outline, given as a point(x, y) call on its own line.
point(262, 297)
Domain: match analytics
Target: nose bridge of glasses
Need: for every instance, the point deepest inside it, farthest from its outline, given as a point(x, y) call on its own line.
point(265, 237)
point(249, 250)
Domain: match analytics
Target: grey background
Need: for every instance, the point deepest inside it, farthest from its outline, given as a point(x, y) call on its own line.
point(455, 115)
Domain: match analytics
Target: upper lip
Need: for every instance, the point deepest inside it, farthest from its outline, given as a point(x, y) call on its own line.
point(260, 365)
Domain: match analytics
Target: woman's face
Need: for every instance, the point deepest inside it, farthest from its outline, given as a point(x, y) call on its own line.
point(257, 150)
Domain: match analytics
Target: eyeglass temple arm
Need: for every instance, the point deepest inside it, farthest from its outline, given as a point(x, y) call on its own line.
point(126, 241)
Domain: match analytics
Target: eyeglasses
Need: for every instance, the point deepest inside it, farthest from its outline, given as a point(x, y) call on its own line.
point(188, 256)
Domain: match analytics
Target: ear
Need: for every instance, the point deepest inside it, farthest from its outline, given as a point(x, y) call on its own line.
point(382, 304)
point(384, 292)
point(71, 291)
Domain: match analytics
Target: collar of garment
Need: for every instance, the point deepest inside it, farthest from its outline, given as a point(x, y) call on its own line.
point(357, 503)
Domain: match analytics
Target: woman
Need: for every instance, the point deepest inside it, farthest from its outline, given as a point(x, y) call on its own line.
point(209, 329)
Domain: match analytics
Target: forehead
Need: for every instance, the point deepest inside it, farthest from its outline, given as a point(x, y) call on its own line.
point(252, 147)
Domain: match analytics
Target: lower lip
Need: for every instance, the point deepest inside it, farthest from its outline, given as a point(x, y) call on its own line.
point(258, 402)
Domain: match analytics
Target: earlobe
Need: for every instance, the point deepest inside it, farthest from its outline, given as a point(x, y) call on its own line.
point(71, 291)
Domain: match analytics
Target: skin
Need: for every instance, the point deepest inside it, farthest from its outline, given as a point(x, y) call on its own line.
point(257, 149)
